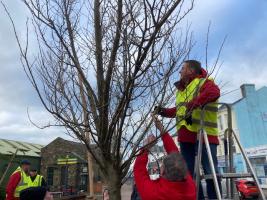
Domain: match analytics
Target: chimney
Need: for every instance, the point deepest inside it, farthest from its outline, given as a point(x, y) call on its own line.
point(247, 90)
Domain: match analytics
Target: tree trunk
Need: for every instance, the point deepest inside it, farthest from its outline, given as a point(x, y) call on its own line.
point(114, 183)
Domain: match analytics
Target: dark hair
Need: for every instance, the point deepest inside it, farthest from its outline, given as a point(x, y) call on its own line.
point(195, 65)
point(175, 168)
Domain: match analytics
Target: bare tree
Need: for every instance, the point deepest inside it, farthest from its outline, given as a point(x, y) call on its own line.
point(102, 66)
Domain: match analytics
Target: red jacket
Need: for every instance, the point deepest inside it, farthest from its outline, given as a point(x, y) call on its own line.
point(162, 189)
point(11, 186)
point(209, 92)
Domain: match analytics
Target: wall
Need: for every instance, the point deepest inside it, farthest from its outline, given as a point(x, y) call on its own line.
point(251, 120)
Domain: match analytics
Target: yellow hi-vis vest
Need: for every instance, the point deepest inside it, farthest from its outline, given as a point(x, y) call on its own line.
point(37, 181)
point(210, 112)
point(23, 183)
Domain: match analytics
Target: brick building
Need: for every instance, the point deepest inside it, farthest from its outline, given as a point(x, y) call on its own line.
point(64, 166)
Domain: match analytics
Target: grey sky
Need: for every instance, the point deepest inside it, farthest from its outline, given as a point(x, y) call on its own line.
point(244, 57)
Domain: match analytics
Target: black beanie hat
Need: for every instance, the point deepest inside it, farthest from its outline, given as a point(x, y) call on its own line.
point(33, 193)
point(25, 162)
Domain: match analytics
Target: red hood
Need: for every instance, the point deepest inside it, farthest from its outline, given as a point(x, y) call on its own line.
point(181, 84)
point(204, 73)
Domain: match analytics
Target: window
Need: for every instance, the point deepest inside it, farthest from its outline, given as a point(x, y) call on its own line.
point(83, 182)
point(64, 176)
point(50, 175)
point(258, 160)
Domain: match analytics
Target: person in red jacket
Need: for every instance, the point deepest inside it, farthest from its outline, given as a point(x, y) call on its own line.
point(18, 181)
point(207, 93)
point(175, 183)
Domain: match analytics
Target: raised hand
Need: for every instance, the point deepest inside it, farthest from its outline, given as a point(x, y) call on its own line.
point(149, 141)
point(158, 124)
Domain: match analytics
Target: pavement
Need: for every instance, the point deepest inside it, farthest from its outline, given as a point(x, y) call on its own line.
point(126, 191)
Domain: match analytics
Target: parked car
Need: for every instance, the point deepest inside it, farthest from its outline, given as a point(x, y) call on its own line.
point(247, 189)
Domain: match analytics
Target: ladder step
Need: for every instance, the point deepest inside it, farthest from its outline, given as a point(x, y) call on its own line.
point(229, 175)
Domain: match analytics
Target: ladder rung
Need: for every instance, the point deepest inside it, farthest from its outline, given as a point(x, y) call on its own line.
point(228, 175)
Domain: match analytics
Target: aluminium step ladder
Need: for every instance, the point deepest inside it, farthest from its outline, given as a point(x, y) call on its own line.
point(230, 175)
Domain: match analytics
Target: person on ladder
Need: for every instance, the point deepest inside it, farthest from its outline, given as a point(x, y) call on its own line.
point(195, 90)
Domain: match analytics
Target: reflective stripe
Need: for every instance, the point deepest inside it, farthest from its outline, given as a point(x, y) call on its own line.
point(211, 108)
point(199, 85)
point(22, 184)
point(182, 104)
point(207, 108)
point(208, 124)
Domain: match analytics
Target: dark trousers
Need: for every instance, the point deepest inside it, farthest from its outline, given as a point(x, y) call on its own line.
point(189, 151)
point(135, 194)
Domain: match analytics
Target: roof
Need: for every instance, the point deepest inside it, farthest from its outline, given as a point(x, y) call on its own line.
point(8, 147)
point(237, 101)
point(77, 149)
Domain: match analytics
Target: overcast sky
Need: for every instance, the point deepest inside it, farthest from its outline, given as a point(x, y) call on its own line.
point(244, 60)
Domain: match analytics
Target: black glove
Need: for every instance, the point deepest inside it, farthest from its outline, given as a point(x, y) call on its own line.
point(189, 120)
point(188, 117)
point(158, 110)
